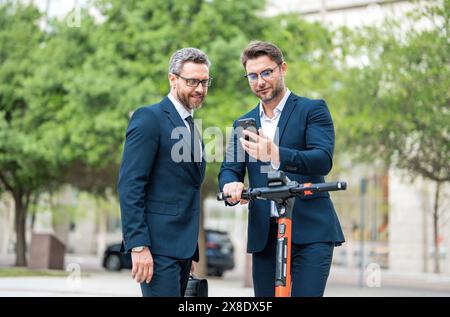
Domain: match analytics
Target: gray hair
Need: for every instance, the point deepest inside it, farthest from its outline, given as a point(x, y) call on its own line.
point(189, 54)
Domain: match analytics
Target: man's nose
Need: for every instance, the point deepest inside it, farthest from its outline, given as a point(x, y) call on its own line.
point(260, 81)
point(200, 88)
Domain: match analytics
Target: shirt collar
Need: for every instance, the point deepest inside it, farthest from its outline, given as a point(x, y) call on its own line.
point(182, 111)
point(278, 108)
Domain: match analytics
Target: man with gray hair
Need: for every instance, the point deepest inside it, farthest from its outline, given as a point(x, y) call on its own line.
point(159, 187)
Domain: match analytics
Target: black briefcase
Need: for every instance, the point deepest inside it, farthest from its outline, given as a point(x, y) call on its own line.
point(196, 287)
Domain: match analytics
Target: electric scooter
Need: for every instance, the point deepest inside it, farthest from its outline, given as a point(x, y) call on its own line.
point(283, 191)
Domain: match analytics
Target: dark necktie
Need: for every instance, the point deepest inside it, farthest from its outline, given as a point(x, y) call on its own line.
point(195, 141)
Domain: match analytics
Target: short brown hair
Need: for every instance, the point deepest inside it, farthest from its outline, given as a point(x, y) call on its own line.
point(256, 49)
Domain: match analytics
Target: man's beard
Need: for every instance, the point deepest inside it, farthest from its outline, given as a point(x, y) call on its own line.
point(277, 90)
point(184, 100)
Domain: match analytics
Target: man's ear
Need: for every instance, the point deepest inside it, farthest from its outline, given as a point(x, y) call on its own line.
point(172, 81)
point(283, 68)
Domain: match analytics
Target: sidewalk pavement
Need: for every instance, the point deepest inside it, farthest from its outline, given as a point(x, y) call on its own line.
point(94, 281)
point(427, 282)
point(111, 284)
point(106, 284)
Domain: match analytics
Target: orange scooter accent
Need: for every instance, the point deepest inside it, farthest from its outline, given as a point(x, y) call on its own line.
point(283, 280)
point(307, 192)
point(283, 274)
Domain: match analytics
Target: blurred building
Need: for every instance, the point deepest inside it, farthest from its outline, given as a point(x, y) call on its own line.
point(335, 13)
point(408, 229)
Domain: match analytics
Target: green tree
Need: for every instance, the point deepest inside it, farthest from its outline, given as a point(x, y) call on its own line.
point(396, 103)
point(64, 114)
point(41, 127)
point(24, 164)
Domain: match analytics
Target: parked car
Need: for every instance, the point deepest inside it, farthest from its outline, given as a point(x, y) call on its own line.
point(219, 254)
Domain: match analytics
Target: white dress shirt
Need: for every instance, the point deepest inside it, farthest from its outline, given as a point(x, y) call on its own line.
point(184, 113)
point(270, 129)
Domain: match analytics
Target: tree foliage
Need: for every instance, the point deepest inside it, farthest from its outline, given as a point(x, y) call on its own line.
point(66, 93)
point(396, 103)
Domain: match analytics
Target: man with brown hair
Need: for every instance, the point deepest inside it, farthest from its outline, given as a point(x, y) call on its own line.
point(295, 135)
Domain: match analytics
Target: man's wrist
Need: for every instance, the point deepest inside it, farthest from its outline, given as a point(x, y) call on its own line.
point(138, 249)
point(274, 156)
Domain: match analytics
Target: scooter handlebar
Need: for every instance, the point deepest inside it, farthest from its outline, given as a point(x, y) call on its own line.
point(297, 190)
point(246, 194)
point(322, 187)
point(221, 196)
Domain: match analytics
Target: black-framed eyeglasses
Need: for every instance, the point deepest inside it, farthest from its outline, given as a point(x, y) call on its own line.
point(193, 82)
point(265, 74)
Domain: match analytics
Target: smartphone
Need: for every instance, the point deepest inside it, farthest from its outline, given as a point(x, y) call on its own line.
point(247, 124)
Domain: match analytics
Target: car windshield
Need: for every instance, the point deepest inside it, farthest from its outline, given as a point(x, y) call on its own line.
point(217, 237)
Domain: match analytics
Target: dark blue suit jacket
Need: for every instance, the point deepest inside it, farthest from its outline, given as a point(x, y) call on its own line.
point(159, 198)
point(306, 143)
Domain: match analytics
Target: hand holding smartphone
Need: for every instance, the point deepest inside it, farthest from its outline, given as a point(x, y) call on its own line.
point(247, 124)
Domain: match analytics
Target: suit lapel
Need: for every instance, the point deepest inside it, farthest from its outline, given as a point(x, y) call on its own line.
point(284, 118)
point(203, 165)
point(178, 123)
point(255, 114)
point(285, 114)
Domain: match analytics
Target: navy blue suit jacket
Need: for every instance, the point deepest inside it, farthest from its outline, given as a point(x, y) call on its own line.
point(159, 197)
point(306, 143)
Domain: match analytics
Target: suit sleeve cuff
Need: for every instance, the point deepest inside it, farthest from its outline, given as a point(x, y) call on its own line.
point(287, 161)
